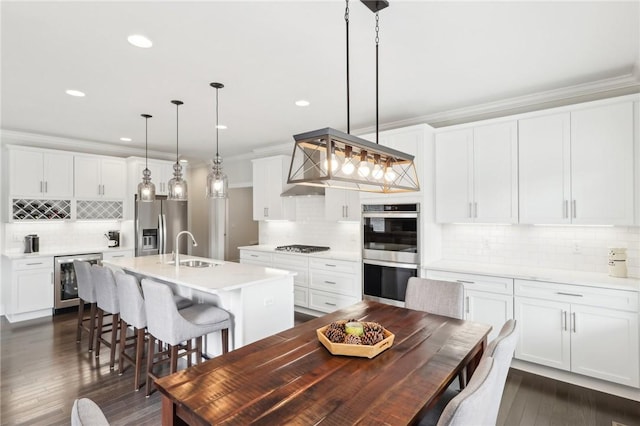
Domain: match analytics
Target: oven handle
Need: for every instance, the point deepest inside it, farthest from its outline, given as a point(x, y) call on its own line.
point(391, 215)
point(391, 264)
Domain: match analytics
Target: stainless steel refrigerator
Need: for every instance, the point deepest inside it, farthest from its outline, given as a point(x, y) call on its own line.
point(156, 225)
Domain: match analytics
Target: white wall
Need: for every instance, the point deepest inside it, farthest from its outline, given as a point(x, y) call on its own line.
point(311, 228)
point(579, 248)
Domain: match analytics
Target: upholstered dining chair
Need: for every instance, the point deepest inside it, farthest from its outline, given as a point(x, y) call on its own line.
point(86, 294)
point(107, 296)
point(85, 412)
point(172, 326)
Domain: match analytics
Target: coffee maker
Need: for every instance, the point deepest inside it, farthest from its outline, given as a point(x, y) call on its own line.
point(113, 237)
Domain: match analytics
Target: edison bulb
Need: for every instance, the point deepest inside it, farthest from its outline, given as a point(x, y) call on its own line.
point(377, 172)
point(389, 175)
point(364, 169)
point(217, 185)
point(348, 167)
point(334, 163)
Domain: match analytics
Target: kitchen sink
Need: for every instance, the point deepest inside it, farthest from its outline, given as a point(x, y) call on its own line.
point(194, 263)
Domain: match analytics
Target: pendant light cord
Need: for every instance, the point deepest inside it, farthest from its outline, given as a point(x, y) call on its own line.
point(377, 43)
point(217, 129)
point(146, 143)
point(346, 19)
point(177, 106)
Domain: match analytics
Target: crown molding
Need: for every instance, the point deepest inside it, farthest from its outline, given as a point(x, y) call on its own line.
point(14, 137)
point(601, 89)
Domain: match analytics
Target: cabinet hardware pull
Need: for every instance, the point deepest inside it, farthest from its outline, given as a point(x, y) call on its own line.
point(467, 302)
point(330, 304)
point(470, 210)
point(573, 315)
point(36, 263)
point(465, 282)
point(328, 264)
point(118, 255)
point(565, 209)
point(574, 208)
point(569, 294)
point(41, 187)
point(254, 255)
point(564, 320)
point(330, 282)
point(346, 209)
point(475, 208)
point(46, 186)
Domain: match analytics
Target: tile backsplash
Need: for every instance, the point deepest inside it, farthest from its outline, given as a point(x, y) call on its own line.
point(60, 235)
point(311, 228)
point(580, 248)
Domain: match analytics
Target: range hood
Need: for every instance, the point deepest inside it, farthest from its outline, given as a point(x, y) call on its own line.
point(303, 190)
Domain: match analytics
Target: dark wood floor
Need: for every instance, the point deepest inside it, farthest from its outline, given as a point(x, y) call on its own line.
point(44, 370)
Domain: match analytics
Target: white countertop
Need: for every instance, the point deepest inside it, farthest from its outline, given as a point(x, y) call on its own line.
point(591, 279)
point(329, 254)
point(223, 277)
point(63, 252)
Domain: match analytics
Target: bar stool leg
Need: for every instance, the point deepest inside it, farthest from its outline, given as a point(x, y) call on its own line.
point(225, 340)
point(80, 318)
point(139, 353)
point(189, 354)
point(92, 324)
point(198, 349)
point(115, 325)
point(99, 329)
point(174, 358)
point(150, 357)
point(123, 341)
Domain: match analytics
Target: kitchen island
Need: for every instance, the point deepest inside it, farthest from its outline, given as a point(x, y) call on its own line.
point(259, 299)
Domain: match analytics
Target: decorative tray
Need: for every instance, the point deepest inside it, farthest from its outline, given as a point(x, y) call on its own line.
point(360, 350)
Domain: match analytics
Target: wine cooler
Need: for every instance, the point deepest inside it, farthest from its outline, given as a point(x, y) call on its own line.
point(65, 282)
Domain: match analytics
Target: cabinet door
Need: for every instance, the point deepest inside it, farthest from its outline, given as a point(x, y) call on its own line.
point(544, 169)
point(113, 178)
point(544, 332)
point(33, 289)
point(259, 184)
point(342, 205)
point(269, 180)
point(453, 176)
point(26, 168)
point(604, 344)
point(602, 165)
point(495, 173)
point(58, 175)
point(87, 177)
point(488, 308)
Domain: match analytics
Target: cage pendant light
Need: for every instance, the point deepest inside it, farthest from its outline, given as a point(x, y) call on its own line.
point(329, 158)
point(146, 188)
point(177, 185)
point(217, 181)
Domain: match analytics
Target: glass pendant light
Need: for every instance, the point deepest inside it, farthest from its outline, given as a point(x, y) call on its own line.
point(217, 181)
point(146, 188)
point(177, 185)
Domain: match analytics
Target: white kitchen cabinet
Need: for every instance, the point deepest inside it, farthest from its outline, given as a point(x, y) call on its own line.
point(100, 177)
point(117, 254)
point(29, 288)
point(269, 181)
point(487, 299)
point(586, 330)
point(256, 257)
point(299, 265)
point(342, 205)
point(40, 173)
point(577, 167)
point(477, 174)
point(161, 173)
point(333, 284)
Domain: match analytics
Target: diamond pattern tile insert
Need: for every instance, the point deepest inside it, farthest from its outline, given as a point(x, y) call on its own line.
point(99, 209)
point(25, 209)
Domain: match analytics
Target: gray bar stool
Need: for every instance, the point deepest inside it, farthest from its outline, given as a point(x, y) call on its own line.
point(107, 295)
point(173, 327)
point(86, 294)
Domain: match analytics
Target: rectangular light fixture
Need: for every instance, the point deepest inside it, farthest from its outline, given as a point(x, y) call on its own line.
point(330, 158)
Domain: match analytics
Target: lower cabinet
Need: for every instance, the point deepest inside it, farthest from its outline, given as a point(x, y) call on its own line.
point(585, 330)
point(300, 265)
point(487, 299)
point(28, 288)
point(116, 254)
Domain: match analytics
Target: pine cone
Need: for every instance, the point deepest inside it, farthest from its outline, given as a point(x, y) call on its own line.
point(372, 337)
point(352, 340)
point(335, 334)
point(373, 326)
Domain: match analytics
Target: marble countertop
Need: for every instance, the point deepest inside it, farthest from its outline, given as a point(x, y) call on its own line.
point(224, 276)
point(591, 279)
point(66, 251)
point(329, 254)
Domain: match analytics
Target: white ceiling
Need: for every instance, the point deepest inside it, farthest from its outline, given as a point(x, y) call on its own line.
point(434, 57)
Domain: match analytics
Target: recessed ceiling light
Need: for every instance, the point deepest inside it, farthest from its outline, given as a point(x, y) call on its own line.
point(125, 139)
point(184, 160)
point(221, 126)
point(139, 40)
point(75, 93)
point(302, 103)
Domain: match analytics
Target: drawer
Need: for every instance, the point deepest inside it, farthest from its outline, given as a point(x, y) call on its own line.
point(329, 302)
point(346, 284)
point(475, 282)
point(579, 295)
point(302, 273)
point(257, 256)
point(33, 263)
point(334, 265)
point(290, 260)
point(301, 296)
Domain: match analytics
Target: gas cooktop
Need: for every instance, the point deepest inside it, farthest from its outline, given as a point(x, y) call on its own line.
point(299, 248)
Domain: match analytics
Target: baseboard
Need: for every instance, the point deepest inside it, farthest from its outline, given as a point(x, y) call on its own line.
point(29, 315)
point(578, 379)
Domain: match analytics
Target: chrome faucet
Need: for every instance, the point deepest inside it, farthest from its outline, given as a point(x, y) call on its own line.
point(177, 252)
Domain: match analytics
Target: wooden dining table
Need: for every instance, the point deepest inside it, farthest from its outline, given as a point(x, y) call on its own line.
point(291, 378)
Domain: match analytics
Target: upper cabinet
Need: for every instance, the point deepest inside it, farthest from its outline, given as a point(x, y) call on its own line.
point(40, 173)
point(100, 177)
point(577, 167)
point(342, 205)
point(269, 181)
point(161, 173)
point(477, 174)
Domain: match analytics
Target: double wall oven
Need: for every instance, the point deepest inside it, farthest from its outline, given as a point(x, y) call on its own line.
point(390, 250)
